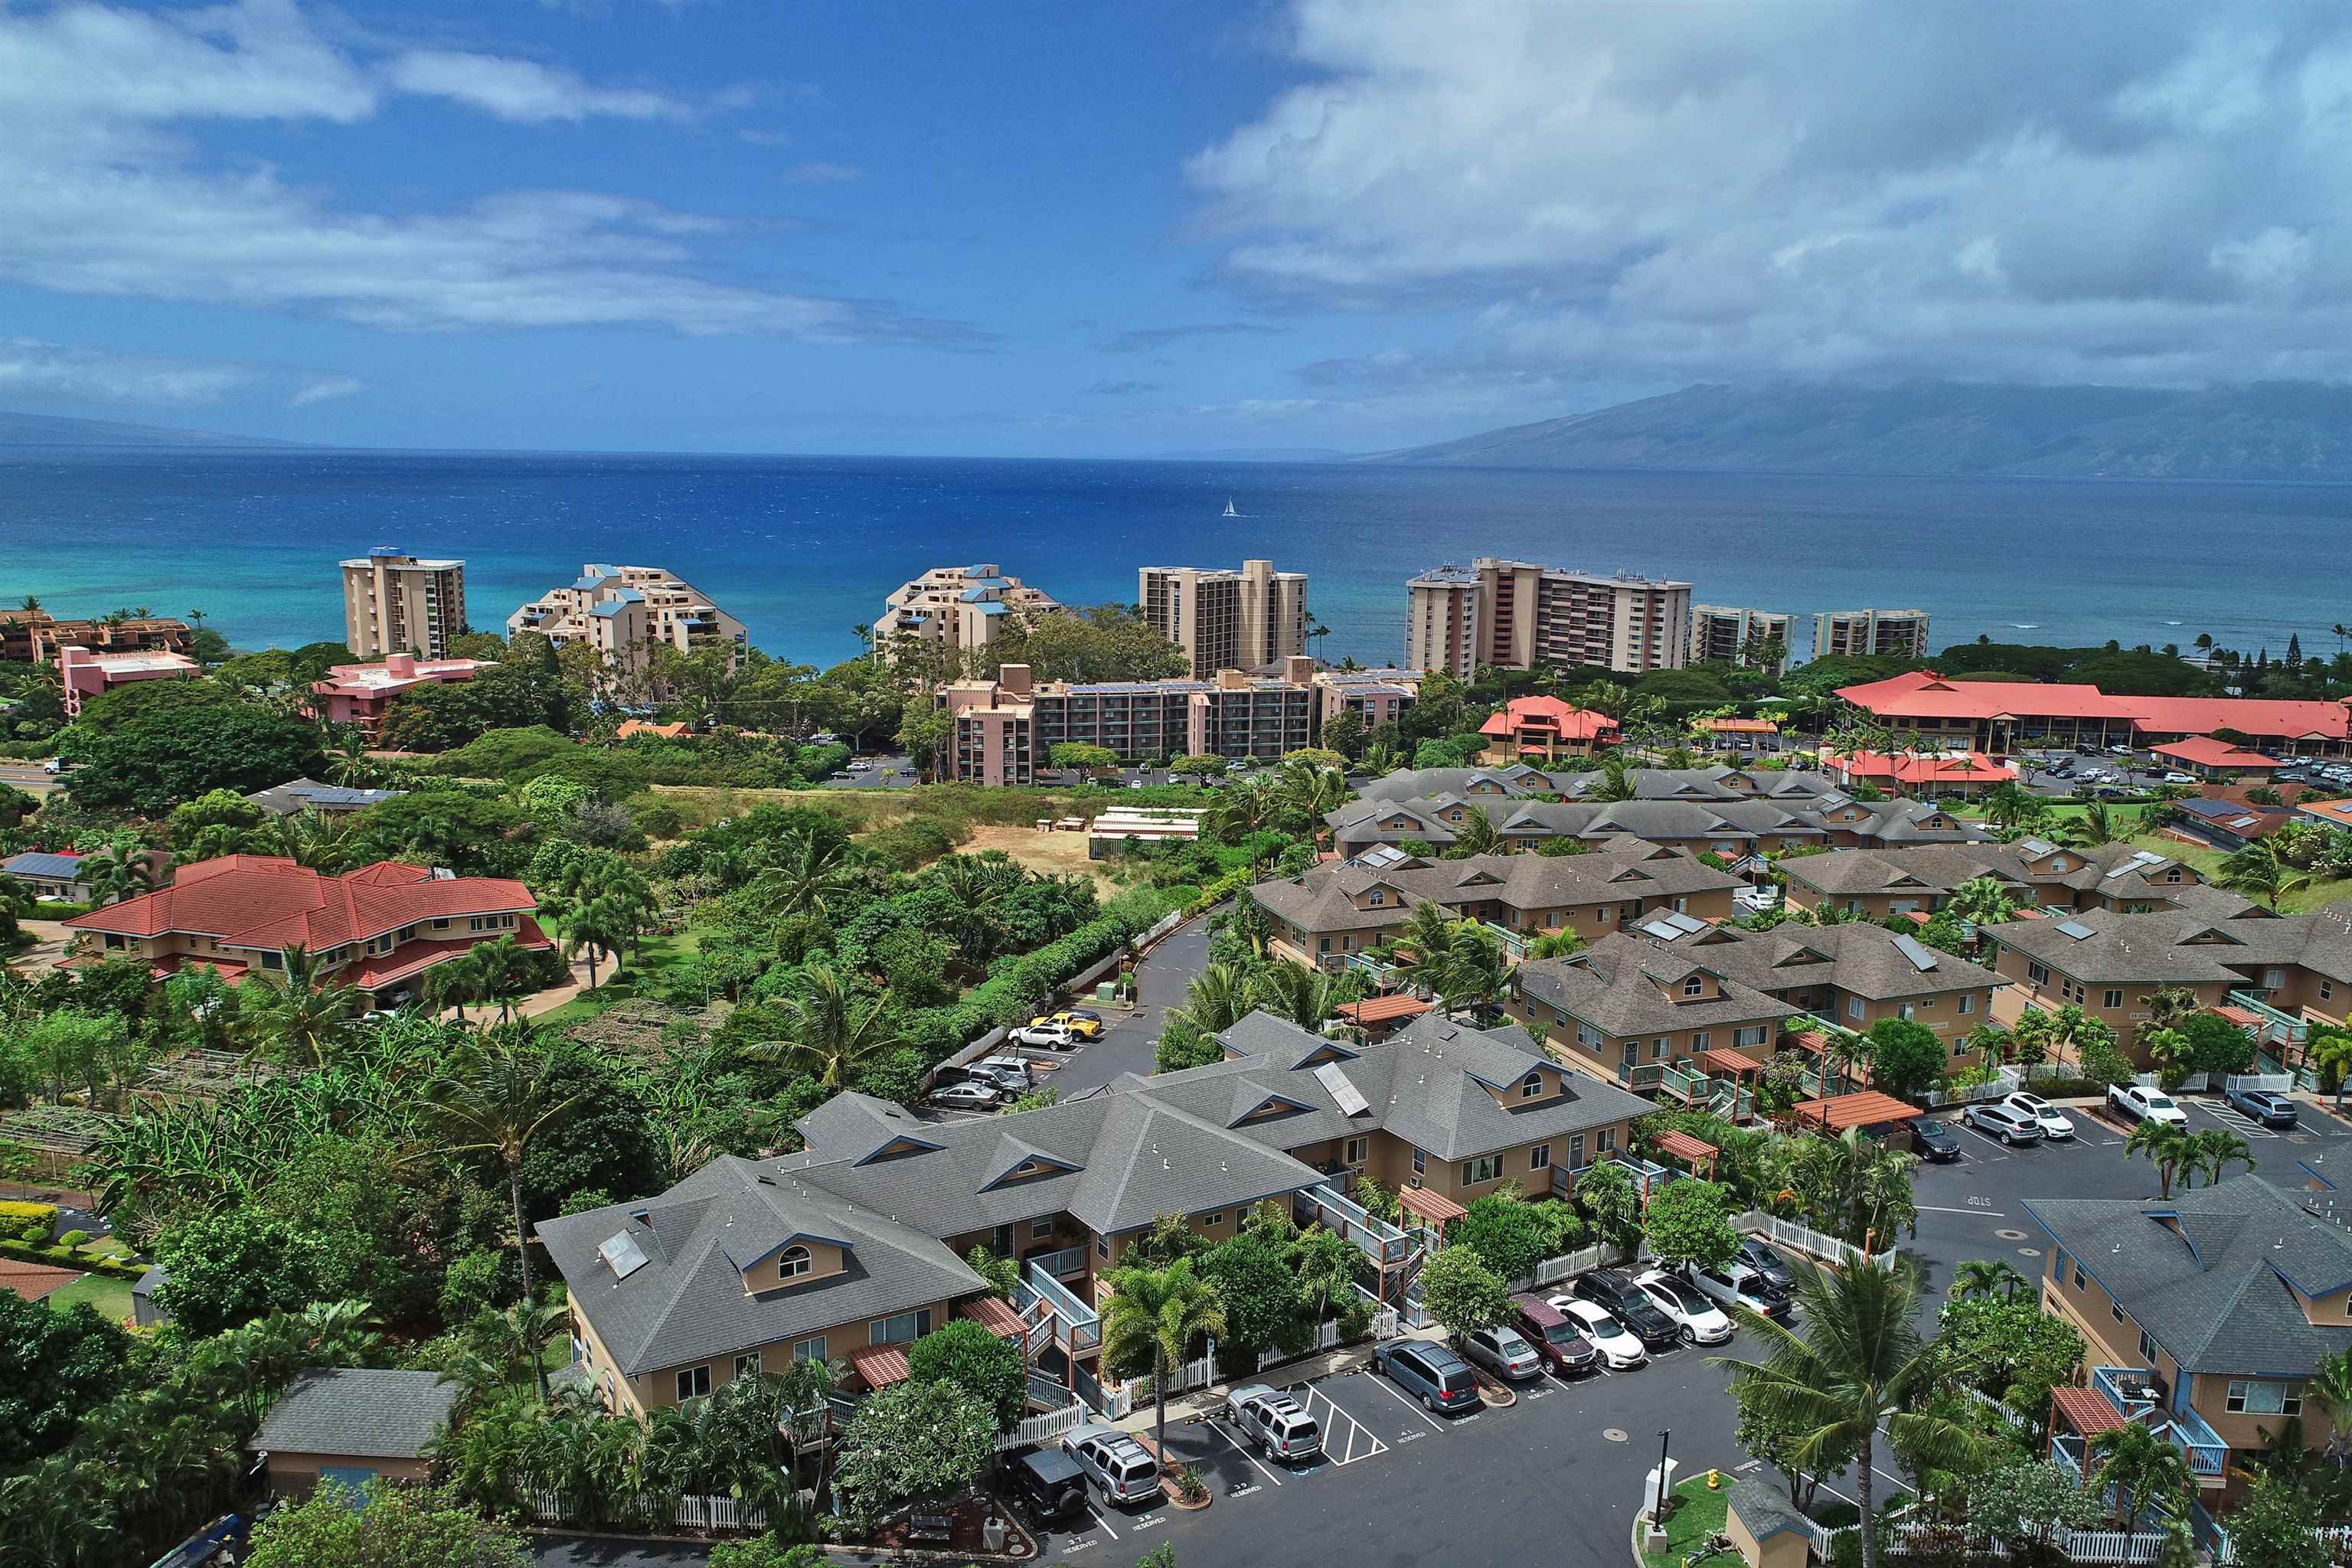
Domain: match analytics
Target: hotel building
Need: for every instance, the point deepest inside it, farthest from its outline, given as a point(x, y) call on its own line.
point(956, 606)
point(1515, 614)
point(1724, 634)
point(1250, 620)
point(1006, 728)
point(625, 612)
point(1898, 634)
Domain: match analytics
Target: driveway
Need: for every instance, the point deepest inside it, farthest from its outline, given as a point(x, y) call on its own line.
point(1161, 981)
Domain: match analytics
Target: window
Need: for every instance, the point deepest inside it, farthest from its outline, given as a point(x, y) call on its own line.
point(270, 960)
point(1376, 897)
point(1662, 1048)
point(1102, 1246)
point(2146, 1347)
point(1355, 1150)
point(746, 1365)
point(2037, 974)
point(2249, 1396)
point(794, 1262)
point(1906, 1010)
point(1968, 1006)
point(2326, 990)
point(2113, 998)
point(1486, 1168)
point(810, 1349)
point(1213, 1218)
point(1700, 1038)
point(1605, 1140)
point(903, 1328)
point(1588, 1037)
point(2116, 1311)
point(1601, 915)
point(1041, 1229)
point(1576, 1152)
point(1419, 1164)
point(1532, 1088)
point(693, 1383)
point(1695, 986)
point(1753, 1034)
point(1853, 1008)
point(1539, 1158)
point(2081, 1279)
point(440, 925)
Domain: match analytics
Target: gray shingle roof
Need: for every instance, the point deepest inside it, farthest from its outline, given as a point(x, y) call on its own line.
point(1622, 871)
point(1626, 985)
point(2181, 947)
point(1862, 959)
point(2213, 1293)
point(358, 1413)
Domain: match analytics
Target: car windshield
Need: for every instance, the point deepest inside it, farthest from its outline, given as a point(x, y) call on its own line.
point(1684, 1297)
point(1561, 1335)
point(2159, 1102)
point(1510, 1343)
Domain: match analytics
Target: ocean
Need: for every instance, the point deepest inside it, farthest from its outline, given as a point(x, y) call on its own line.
point(803, 547)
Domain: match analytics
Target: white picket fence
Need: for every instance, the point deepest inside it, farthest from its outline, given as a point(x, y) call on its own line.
point(2075, 1545)
point(1043, 1426)
point(1327, 1337)
point(2271, 1082)
point(1198, 1372)
point(2004, 1082)
point(1552, 1270)
point(2190, 1083)
point(551, 1507)
point(1814, 1242)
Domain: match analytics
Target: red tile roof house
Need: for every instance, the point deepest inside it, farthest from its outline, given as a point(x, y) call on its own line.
point(2001, 716)
point(377, 928)
point(1925, 774)
point(357, 693)
point(2210, 758)
point(1546, 727)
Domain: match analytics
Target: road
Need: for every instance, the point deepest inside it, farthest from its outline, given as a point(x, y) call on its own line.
point(1162, 980)
point(28, 776)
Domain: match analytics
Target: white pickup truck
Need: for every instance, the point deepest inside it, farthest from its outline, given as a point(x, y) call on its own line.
point(1273, 1418)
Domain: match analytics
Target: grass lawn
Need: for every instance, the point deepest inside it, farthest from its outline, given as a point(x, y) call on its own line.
point(110, 1296)
point(2322, 891)
point(655, 954)
point(1698, 1513)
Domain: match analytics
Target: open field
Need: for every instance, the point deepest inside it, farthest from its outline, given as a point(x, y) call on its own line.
point(1049, 853)
point(112, 1298)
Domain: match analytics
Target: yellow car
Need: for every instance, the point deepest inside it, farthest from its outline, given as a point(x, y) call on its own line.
point(1085, 1026)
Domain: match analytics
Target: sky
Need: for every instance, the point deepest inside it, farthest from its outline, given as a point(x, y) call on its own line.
point(1099, 230)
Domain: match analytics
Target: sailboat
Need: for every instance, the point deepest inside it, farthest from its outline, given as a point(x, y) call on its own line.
point(1229, 507)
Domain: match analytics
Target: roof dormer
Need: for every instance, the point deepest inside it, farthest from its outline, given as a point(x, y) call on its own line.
point(799, 1259)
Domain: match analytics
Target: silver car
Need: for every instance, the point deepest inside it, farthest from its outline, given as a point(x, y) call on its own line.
point(1114, 1461)
point(1502, 1352)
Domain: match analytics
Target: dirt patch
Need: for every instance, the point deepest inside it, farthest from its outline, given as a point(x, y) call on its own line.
point(1050, 853)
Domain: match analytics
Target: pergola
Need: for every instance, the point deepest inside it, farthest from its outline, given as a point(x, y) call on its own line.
point(1867, 1108)
point(1725, 1063)
point(1692, 1152)
point(1434, 1209)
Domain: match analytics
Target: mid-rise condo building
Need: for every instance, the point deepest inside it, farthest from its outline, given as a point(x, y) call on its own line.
point(396, 603)
point(957, 607)
point(1752, 639)
point(1898, 633)
point(34, 637)
point(1249, 620)
point(1516, 614)
point(1007, 728)
point(625, 611)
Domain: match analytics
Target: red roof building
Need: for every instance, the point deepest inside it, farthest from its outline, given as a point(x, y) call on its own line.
point(2210, 758)
point(376, 927)
point(357, 694)
point(1544, 727)
point(2001, 716)
point(1918, 774)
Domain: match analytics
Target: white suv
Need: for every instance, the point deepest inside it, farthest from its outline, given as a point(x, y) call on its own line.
point(1701, 1321)
point(2054, 1123)
point(1051, 1036)
point(2140, 1103)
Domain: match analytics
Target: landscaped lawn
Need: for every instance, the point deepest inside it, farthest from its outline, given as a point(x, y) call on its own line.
point(1698, 1513)
point(2208, 864)
point(110, 1296)
point(654, 955)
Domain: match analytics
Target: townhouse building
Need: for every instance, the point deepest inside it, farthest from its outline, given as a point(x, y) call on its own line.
point(1881, 883)
point(1006, 728)
point(1251, 620)
point(1326, 916)
point(1998, 717)
point(957, 607)
point(378, 928)
point(2203, 1316)
point(1627, 1001)
point(34, 636)
point(1377, 697)
point(1517, 615)
point(1731, 828)
point(856, 1247)
point(2107, 963)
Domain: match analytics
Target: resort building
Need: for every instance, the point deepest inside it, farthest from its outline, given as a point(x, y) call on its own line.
point(626, 612)
point(1998, 717)
point(1250, 620)
point(856, 1247)
point(82, 675)
point(2204, 1316)
point(1891, 634)
point(1327, 916)
point(35, 636)
point(1929, 774)
point(957, 607)
point(1544, 730)
point(1750, 639)
point(2277, 970)
point(1377, 697)
point(1516, 614)
point(377, 928)
point(396, 603)
point(2217, 762)
point(1880, 882)
point(357, 694)
point(1006, 728)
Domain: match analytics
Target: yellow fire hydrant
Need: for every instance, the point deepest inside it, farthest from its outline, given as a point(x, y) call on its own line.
point(1714, 1480)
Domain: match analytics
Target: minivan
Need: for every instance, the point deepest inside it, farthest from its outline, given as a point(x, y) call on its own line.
point(1048, 1485)
point(1430, 1374)
point(1114, 1461)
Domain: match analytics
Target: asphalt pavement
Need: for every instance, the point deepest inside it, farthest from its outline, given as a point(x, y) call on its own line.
point(1129, 1040)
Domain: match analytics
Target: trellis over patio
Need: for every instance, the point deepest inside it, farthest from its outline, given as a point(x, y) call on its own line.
point(59, 1136)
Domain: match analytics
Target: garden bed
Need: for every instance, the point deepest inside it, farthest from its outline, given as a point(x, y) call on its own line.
point(1693, 1513)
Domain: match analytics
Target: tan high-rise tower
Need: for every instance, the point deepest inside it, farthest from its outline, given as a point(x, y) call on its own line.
point(394, 603)
point(1251, 619)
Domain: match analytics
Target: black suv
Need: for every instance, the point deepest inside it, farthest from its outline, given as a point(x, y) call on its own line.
point(1614, 1292)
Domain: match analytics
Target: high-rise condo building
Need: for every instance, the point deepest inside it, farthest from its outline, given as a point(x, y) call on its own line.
point(1752, 639)
point(394, 603)
point(1516, 614)
point(623, 612)
point(1901, 633)
point(1251, 619)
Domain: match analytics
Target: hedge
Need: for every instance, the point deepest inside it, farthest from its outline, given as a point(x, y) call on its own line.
point(67, 1257)
point(16, 1215)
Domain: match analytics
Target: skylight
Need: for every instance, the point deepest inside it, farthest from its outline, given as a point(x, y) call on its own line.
point(1920, 957)
point(1350, 1099)
point(2075, 929)
point(621, 1254)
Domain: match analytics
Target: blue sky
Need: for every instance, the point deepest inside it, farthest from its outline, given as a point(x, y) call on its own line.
point(1093, 230)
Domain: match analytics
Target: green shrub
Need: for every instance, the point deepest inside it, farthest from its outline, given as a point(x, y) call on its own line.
point(34, 1232)
point(21, 1212)
point(65, 1258)
point(74, 1238)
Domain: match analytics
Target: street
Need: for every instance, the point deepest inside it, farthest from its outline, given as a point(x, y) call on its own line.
point(1129, 1040)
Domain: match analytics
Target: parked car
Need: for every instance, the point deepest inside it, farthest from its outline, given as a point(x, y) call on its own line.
point(1430, 1373)
point(2055, 1124)
point(1557, 1337)
point(1114, 1461)
point(1616, 1293)
point(971, 1094)
point(1504, 1353)
point(1047, 1035)
point(1770, 1265)
point(1048, 1485)
point(2270, 1109)
point(1010, 1074)
point(1695, 1317)
point(1619, 1346)
point(1932, 1141)
point(2178, 778)
point(1085, 1026)
point(1731, 1285)
point(1995, 1119)
point(2136, 1103)
point(1274, 1420)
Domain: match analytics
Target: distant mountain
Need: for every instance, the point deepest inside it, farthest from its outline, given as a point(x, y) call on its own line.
point(1262, 455)
point(2276, 430)
point(48, 430)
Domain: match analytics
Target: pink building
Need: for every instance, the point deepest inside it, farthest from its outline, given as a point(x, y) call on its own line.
point(356, 693)
point(85, 675)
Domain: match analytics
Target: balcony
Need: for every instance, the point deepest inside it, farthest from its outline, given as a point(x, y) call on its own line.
point(1046, 1304)
point(2136, 1393)
point(1068, 1261)
point(2276, 1028)
point(1381, 1242)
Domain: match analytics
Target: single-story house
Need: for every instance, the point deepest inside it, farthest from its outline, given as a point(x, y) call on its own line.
point(2225, 823)
point(59, 876)
point(308, 794)
point(352, 1425)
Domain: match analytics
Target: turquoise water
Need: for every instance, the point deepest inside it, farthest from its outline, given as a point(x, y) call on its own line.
point(803, 547)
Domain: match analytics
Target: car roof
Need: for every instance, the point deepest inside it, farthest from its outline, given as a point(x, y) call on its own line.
point(1051, 1464)
point(1119, 1442)
point(1537, 1309)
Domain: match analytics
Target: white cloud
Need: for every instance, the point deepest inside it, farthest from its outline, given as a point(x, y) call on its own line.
point(325, 389)
point(30, 366)
point(1838, 187)
point(106, 189)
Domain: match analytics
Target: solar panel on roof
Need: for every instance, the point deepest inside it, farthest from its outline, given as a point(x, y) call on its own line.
point(1350, 1099)
point(2075, 929)
point(621, 1254)
point(1921, 957)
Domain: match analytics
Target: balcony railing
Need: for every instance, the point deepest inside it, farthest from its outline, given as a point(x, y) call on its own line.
point(1069, 1260)
point(1381, 1242)
point(2277, 1028)
point(2132, 1390)
point(1044, 1299)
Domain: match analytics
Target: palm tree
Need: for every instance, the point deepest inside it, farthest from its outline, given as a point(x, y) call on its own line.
point(1312, 791)
point(2006, 804)
point(1615, 783)
point(602, 924)
point(495, 1096)
point(1985, 1277)
point(2095, 826)
point(1218, 998)
point(830, 1031)
point(2258, 873)
point(1476, 974)
point(115, 877)
point(521, 1333)
point(502, 969)
point(1473, 834)
point(2163, 1145)
point(1306, 997)
point(2169, 1051)
point(2210, 1152)
point(452, 983)
point(1156, 1314)
point(1325, 1262)
point(2330, 1389)
point(1983, 900)
point(2139, 1465)
point(1860, 1363)
point(808, 872)
point(1558, 944)
point(311, 1013)
point(1428, 940)
point(1239, 813)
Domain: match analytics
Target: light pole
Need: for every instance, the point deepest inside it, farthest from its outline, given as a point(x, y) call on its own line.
point(1658, 1502)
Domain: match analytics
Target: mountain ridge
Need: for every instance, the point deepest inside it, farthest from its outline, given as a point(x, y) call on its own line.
point(2264, 430)
point(56, 430)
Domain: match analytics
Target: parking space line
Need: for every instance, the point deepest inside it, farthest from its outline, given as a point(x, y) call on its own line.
point(1382, 1385)
point(2237, 1120)
point(1243, 1449)
point(1938, 1208)
point(1355, 1428)
point(1104, 1523)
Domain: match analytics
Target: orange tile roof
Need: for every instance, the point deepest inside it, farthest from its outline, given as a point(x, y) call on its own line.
point(1922, 694)
point(33, 1280)
point(262, 900)
point(1384, 1009)
point(2085, 1410)
point(2206, 752)
point(993, 1315)
point(1904, 767)
point(1572, 722)
point(410, 957)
